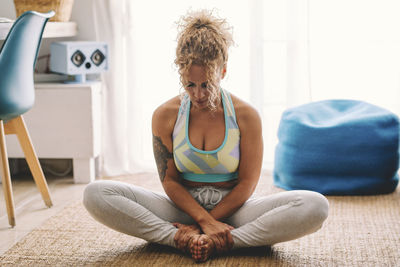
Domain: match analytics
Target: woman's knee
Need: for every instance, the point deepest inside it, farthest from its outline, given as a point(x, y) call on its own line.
point(316, 206)
point(94, 194)
point(91, 194)
point(99, 193)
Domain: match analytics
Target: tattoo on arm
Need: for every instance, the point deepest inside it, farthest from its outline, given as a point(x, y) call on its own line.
point(161, 155)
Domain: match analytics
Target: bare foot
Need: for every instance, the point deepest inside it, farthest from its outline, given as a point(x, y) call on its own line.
point(201, 247)
point(181, 245)
point(184, 235)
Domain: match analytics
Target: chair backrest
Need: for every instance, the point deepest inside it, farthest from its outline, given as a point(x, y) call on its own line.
point(17, 61)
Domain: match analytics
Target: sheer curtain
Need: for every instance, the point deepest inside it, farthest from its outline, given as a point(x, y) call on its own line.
point(323, 49)
point(287, 53)
point(355, 51)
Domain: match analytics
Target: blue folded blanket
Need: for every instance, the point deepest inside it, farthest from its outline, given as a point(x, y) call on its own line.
point(338, 147)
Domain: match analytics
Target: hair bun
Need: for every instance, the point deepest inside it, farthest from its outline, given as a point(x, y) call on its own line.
point(199, 23)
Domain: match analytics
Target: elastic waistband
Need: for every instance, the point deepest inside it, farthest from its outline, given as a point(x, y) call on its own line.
point(209, 177)
point(208, 196)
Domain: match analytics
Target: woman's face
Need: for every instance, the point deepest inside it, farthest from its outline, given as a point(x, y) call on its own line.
point(196, 85)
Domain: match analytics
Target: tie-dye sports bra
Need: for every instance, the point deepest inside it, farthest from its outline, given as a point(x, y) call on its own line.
point(197, 165)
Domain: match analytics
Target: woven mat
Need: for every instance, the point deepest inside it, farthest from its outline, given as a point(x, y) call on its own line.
point(360, 231)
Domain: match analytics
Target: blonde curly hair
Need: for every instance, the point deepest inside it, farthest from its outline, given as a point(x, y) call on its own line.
point(203, 39)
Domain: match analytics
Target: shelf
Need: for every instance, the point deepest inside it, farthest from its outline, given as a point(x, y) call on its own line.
point(52, 29)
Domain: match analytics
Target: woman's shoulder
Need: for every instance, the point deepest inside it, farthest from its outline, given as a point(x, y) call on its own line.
point(245, 112)
point(170, 106)
point(165, 115)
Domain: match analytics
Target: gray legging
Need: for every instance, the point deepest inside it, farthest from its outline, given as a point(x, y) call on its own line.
point(260, 221)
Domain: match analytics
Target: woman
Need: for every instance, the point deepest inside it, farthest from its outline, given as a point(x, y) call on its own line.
point(208, 149)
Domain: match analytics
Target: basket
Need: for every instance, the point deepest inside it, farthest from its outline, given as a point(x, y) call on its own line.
point(63, 8)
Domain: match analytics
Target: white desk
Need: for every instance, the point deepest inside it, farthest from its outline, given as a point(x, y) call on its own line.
point(52, 29)
point(65, 123)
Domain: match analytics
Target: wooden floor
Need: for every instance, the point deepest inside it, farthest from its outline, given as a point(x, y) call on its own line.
point(29, 207)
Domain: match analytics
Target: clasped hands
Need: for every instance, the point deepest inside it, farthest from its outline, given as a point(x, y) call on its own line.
point(219, 233)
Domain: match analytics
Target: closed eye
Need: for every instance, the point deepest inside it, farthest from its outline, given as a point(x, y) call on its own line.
point(203, 85)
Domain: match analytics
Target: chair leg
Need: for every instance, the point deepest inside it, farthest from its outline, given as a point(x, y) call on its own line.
point(21, 131)
point(6, 178)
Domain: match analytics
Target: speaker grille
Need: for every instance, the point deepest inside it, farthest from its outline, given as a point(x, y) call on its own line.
point(78, 58)
point(97, 57)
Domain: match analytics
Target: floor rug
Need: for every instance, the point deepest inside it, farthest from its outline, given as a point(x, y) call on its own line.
point(360, 231)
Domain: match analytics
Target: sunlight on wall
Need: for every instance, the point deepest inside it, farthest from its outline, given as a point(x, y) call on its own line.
point(355, 51)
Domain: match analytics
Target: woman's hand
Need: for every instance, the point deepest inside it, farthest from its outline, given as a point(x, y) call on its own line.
point(184, 234)
point(220, 233)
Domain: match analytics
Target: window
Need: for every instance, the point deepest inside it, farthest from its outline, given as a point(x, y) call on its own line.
point(319, 49)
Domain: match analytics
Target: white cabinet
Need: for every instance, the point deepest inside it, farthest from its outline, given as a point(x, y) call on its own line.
point(65, 123)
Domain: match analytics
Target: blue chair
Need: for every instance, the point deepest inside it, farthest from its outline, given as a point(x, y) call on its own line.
point(17, 60)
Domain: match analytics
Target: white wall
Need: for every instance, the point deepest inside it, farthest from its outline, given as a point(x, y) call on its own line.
point(82, 13)
point(7, 9)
